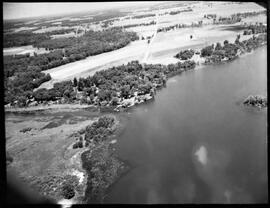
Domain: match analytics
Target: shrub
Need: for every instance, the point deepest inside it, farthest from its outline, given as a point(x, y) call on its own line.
point(78, 144)
point(207, 51)
point(26, 129)
point(100, 129)
point(68, 191)
point(185, 55)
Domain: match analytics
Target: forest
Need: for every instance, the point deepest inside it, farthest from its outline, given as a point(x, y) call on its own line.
point(23, 73)
point(25, 38)
point(107, 87)
point(100, 163)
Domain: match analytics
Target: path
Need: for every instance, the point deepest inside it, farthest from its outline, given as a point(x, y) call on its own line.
point(147, 53)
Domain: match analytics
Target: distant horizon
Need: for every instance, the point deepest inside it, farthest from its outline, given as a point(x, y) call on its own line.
point(15, 11)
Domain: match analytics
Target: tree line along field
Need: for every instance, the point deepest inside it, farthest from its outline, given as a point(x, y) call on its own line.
point(25, 38)
point(23, 73)
point(113, 86)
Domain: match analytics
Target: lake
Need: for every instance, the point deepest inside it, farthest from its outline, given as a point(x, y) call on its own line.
point(196, 143)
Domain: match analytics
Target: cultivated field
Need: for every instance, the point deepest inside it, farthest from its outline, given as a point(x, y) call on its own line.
point(166, 44)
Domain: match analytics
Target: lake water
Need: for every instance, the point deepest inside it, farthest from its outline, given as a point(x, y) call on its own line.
point(196, 143)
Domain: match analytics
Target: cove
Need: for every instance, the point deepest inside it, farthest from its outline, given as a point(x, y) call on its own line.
point(199, 108)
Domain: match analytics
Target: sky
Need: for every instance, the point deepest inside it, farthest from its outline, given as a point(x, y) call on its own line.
point(23, 10)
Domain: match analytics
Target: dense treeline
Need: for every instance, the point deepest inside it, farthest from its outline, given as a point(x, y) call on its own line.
point(210, 16)
point(143, 16)
point(20, 88)
point(227, 20)
point(23, 73)
point(234, 18)
point(255, 29)
point(101, 165)
point(185, 55)
point(230, 51)
point(30, 38)
point(250, 14)
point(99, 130)
point(176, 26)
point(136, 25)
point(92, 42)
point(61, 31)
point(113, 86)
point(178, 11)
point(23, 39)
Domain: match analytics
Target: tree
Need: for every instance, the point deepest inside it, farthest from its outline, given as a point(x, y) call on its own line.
point(75, 82)
point(115, 101)
point(41, 95)
point(237, 39)
point(78, 144)
point(67, 93)
point(125, 91)
point(218, 46)
point(68, 191)
point(207, 51)
point(81, 84)
point(22, 101)
point(226, 42)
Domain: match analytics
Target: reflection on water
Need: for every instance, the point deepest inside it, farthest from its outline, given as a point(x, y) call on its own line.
point(202, 155)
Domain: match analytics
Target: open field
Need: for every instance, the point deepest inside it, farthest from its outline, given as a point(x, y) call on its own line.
point(23, 50)
point(162, 50)
point(166, 44)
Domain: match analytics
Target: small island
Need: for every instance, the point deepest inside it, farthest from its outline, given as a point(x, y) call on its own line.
point(256, 101)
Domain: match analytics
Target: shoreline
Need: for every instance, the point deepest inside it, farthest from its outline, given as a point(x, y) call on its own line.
point(96, 188)
point(121, 108)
